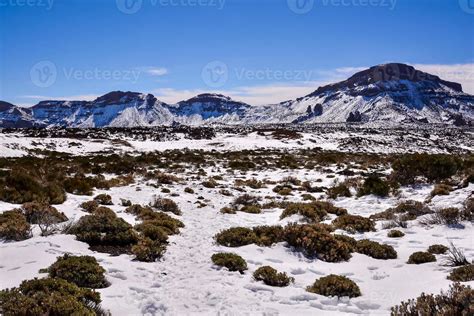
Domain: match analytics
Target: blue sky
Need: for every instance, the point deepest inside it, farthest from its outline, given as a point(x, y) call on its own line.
point(259, 51)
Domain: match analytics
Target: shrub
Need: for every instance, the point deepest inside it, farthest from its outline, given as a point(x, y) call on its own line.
point(104, 199)
point(450, 216)
point(467, 213)
point(162, 178)
point(410, 210)
point(246, 203)
point(231, 261)
point(251, 183)
point(89, 206)
point(309, 211)
point(188, 190)
point(349, 241)
point(462, 274)
point(166, 205)
point(14, 226)
point(283, 189)
point(153, 231)
point(46, 216)
point(433, 167)
point(316, 242)
point(457, 301)
point(167, 223)
point(79, 185)
point(84, 271)
point(104, 229)
point(420, 257)
point(437, 249)
point(456, 257)
point(268, 235)
point(252, 209)
point(354, 223)
point(148, 250)
point(227, 210)
point(125, 202)
point(272, 277)
point(339, 190)
point(395, 234)
point(374, 185)
point(50, 297)
point(236, 237)
point(210, 183)
point(335, 285)
point(441, 189)
point(375, 250)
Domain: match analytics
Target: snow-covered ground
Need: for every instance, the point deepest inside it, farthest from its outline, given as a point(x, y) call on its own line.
point(185, 282)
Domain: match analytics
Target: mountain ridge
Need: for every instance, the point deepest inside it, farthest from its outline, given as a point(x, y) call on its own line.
point(394, 92)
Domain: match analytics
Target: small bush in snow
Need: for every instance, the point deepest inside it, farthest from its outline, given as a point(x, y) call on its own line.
point(14, 226)
point(148, 250)
point(210, 183)
point(152, 230)
point(437, 249)
point(314, 241)
point(335, 285)
point(268, 235)
point(349, 241)
point(462, 274)
point(84, 271)
point(374, 185)
point(272, 277)
point(236, 237)
point(166, 205)
point(43, 214)
point(339, 190)
point(310, 211)
point(420, 257)
point(231, 261)
point(125, 202)
point(457, 301)
point(246, 203)
point(189, 190)
point(104, 199)
point(456, 257)
point(441, 189)
point(89, 206)
point(354, 223)
point(447, 216)
point(50, 297)
point(375, 250)
point(395, 234)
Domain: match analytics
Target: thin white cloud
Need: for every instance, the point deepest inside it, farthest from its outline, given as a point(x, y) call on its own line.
point(460, 73)
point(156, 71)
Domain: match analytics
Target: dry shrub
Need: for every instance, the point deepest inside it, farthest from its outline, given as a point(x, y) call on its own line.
point(272, 277)
point(375, 250)
point(335, 285)
point(354, 223)
point(231, 261)
point(420, 257)
point(165, 205)
point(14, 226)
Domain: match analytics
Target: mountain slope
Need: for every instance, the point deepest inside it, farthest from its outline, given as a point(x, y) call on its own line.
point(395, 93)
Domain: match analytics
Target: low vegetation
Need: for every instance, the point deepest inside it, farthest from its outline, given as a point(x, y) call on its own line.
point(335, 285)
point(354, 223)
point(420, 257)
point(231, 261)
point(272, 277)
point(375, 250)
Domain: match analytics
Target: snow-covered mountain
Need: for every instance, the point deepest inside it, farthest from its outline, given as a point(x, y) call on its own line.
point(395, 93)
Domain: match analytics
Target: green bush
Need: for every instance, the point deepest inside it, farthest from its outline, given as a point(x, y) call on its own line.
point(166, 205)
point(50, 297)
point(395, 234)
point(84, 271)
point(152, 230)
point(283, 189)
point(420, 257)
point(268, 235)
point(272, 277)
point(79, 185)
point(188, 190)
point(437, 249)
point(89, 206)
point(310, 211)
point(462, 274)
point(231, 261)
point(457, 301)
point(14, 226)
point(316, 242)
point(19, 187)
point(236, 237)
point(354, 223)
point(350, 242)
point(148, 250)
point(38, 213)
point(374, 185)
point(104, 229)
point(104, 199)
point(335, 285)
point(170, 225)
point(339, 190)
point(375, 250)
point(433, 167)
